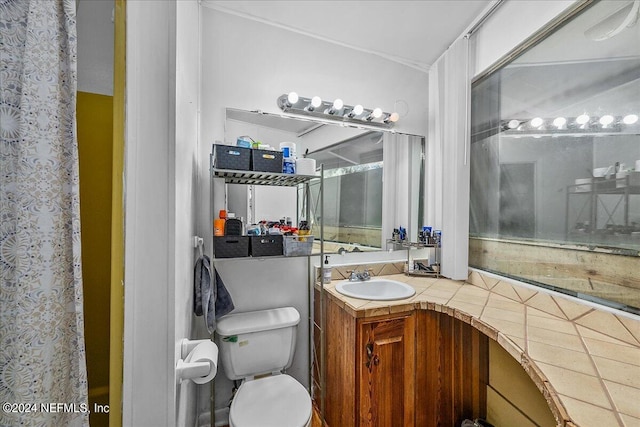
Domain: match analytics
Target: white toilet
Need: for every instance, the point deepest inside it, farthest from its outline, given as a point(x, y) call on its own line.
point(256, 343)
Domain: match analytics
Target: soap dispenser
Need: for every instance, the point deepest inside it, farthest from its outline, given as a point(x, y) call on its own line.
point(326, 271)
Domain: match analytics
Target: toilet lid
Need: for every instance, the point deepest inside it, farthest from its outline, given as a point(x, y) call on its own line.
point(276, 401)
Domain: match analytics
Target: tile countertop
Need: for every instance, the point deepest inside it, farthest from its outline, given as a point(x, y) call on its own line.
point(585, 359)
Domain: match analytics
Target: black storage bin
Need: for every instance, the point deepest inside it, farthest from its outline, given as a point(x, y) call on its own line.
point(266, 161)
point(233, 227)
point(231, 157)
point(230, 246)
point(266, 245)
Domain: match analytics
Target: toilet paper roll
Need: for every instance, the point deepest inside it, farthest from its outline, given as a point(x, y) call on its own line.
point(205, 352)
point(306, 166)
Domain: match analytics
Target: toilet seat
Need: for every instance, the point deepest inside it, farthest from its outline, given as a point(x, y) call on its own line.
point(275, 401)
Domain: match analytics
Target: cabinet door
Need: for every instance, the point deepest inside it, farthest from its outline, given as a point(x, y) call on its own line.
point(386, 357)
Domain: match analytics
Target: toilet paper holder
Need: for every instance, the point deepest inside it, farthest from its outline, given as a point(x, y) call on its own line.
point(186, 369)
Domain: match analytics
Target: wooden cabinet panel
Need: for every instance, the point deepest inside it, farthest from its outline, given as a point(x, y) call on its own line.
point(451, 370)
point(340, 359)
point(386, 358)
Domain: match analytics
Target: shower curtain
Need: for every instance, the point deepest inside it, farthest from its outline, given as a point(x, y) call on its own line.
point(43, 380)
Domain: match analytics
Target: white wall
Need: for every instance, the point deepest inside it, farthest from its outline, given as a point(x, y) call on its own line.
point(186, 155)
point(247, 65)
point(95, 46)
point(161, 158)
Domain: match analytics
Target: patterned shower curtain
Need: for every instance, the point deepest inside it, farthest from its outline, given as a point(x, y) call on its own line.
point(43, 380)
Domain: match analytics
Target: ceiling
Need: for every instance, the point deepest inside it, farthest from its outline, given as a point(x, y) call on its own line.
point(414, 33)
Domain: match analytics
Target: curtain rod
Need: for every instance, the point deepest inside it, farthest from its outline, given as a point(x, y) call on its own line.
point(474, 26)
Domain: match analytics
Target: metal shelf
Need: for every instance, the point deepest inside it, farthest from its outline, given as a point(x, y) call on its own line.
point(243, 177)
point(421, 273)
point(594, 203)
point(261, 178)
point(407, 244)
point(419, 245)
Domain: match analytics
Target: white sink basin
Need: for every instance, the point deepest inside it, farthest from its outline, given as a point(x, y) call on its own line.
point(376, 289)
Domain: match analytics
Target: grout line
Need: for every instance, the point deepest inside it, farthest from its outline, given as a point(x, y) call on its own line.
point(611, 336)
point(599, 376)
point(628, 330)
point(486, 301)
point(455, 293)
point(560, 308)
point(526, 331)
point(583, 315)
point(484, 281)
point(524, 301)
point(591, 404)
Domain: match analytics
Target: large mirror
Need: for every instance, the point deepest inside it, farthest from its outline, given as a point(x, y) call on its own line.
point(373, 180)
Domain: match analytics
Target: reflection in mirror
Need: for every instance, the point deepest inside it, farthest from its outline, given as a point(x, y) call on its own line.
point(555, 161)
point(359, 211)
point(352, 192)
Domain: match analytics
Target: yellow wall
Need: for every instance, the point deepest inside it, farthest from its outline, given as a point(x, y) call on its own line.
point(95, 143)
point(512, 397)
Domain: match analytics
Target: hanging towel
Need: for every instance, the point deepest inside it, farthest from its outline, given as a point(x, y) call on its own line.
point(210, 299)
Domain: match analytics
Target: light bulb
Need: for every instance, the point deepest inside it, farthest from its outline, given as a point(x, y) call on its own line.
point(582, 119)
point(537, 122)
point(559, 122)
point(355, 111)
point(375, 114)
point(393, 117)
point(630, 119)
point(513, 123)
point(292, 98)
point(606, 120)
point(335, 107)
point(316, 101)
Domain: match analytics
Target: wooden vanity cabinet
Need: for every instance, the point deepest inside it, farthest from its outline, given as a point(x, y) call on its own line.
point(385, 360)
point(421, 368)
point(369, 369)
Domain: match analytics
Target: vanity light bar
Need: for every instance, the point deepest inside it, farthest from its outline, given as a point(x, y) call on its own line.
point(336, 110)
point(581, 123)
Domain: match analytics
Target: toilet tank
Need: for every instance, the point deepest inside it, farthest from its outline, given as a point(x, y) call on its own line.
point(257, 342)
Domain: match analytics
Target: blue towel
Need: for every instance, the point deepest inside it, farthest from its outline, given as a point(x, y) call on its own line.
point(211, 300)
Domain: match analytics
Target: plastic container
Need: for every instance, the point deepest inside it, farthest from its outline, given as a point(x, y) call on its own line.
point(289, 165)
point(231, 157)
point(297, 245)
point(233, 227)
point(291, 146)
point(218, 227)
point(266, 245)
point(231, 246)
point(326, 271)
point(266, 161)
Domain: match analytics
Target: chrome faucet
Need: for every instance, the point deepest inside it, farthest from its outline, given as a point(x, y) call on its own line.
point(355, 275)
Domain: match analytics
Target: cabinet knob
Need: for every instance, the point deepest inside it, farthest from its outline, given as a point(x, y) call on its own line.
point(370, 356)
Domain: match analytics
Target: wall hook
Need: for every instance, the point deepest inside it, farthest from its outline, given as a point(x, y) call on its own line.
point(198, 242)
